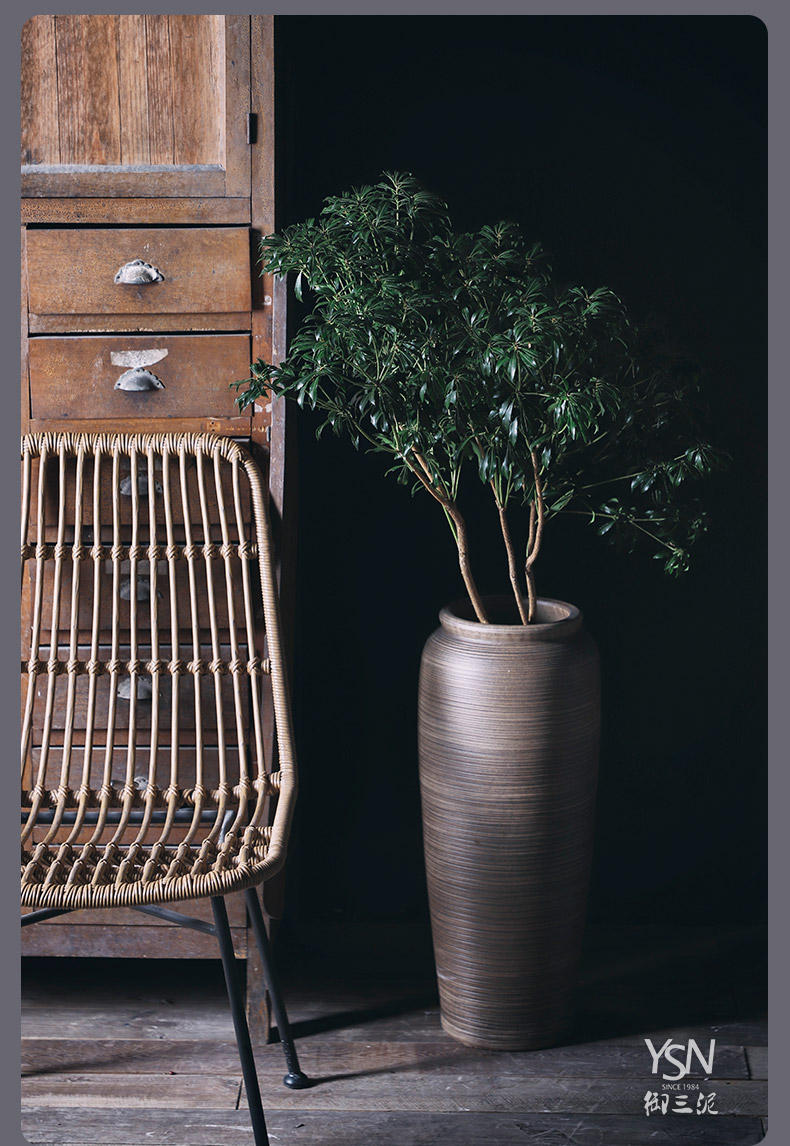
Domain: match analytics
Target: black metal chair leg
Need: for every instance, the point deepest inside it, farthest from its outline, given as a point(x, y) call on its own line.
point(243, 1042)
point(296, 1079)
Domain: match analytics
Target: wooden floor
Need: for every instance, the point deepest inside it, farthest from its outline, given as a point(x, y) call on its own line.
point(115, 1057)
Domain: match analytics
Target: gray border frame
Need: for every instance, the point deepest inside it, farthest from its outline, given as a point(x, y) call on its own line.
point(775, 14)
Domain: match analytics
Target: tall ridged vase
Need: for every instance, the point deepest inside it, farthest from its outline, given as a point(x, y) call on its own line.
point(508, 741)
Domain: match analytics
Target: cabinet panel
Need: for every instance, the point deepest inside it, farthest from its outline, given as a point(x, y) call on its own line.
point(76, 377)
point(204, 269)
point(143, 105)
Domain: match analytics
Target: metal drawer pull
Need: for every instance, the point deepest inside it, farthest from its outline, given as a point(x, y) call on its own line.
point(138, 272)
point(125, 485)
point(143, 589)
point(145, 689)
point(139, 379)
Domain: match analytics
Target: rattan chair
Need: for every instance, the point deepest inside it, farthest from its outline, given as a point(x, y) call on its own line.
point(149, 582)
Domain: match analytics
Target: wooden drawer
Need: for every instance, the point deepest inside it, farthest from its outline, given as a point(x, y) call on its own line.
point(186, 766)
point(125, 501)
point(206, 270)
point(186, 700)
point(75, 377)
point(143, 593)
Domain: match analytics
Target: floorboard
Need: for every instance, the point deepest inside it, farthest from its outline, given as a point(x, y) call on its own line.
point(330, 1058)
point(226, 1128)
point(757, 1058)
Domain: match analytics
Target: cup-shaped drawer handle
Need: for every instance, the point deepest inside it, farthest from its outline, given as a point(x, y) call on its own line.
point(143, 589)
point(138, 273)
point(139, 379)
point(145, 689)
point(125, 485)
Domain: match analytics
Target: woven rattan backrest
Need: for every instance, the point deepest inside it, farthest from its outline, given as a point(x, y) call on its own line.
point(147, 697)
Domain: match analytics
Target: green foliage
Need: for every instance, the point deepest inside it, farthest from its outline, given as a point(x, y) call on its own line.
point(457, 352)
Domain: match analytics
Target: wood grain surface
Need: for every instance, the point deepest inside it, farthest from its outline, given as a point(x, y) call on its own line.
point(123, 90)
point(76, 377)
point(185, 1127)
point(171, 211)
point(205, 269)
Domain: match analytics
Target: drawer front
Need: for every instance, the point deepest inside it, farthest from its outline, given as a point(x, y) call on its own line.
point(143, 711)
point(178, 494)
point(76, 377)
point(144, 594)
point(187, 767)
point(203, 269)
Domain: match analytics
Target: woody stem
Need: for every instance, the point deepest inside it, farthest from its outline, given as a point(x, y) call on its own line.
point(511, 558)
point(451, 509)
point(536, 524)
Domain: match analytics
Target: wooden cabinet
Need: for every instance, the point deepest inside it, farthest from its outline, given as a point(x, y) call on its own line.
point(148, 142)
point(147, 153)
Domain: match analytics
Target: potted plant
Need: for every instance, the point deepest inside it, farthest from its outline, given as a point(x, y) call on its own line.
point(458, 356)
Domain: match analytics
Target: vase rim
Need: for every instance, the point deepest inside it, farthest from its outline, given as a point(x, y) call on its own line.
point(556, 620)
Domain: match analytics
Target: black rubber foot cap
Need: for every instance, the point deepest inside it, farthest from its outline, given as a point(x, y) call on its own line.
point(298, 1081)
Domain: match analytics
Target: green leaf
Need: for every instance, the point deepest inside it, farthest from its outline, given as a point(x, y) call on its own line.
point(558, 505)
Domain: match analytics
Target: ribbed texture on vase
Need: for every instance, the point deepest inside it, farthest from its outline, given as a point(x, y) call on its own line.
point(508, 739)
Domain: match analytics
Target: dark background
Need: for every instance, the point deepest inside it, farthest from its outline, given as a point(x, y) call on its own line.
point(633, 148)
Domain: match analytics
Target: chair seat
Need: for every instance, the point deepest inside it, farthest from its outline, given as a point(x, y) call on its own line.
point(85, 875)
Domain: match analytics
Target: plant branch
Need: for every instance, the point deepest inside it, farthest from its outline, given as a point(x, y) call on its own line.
point(532, 526)
point(424, 466)
point(536, 535)
point(451, 523)
point(453, 512)
point(511, 558)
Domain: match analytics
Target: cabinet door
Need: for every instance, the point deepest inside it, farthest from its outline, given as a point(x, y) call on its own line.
point(135, 106)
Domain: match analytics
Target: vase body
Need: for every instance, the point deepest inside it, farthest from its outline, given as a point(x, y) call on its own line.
point(508, 742)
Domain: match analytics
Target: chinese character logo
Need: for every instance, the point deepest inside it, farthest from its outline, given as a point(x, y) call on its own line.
point(656, 1103)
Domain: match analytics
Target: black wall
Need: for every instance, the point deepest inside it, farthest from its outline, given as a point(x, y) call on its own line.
point(634, 149)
